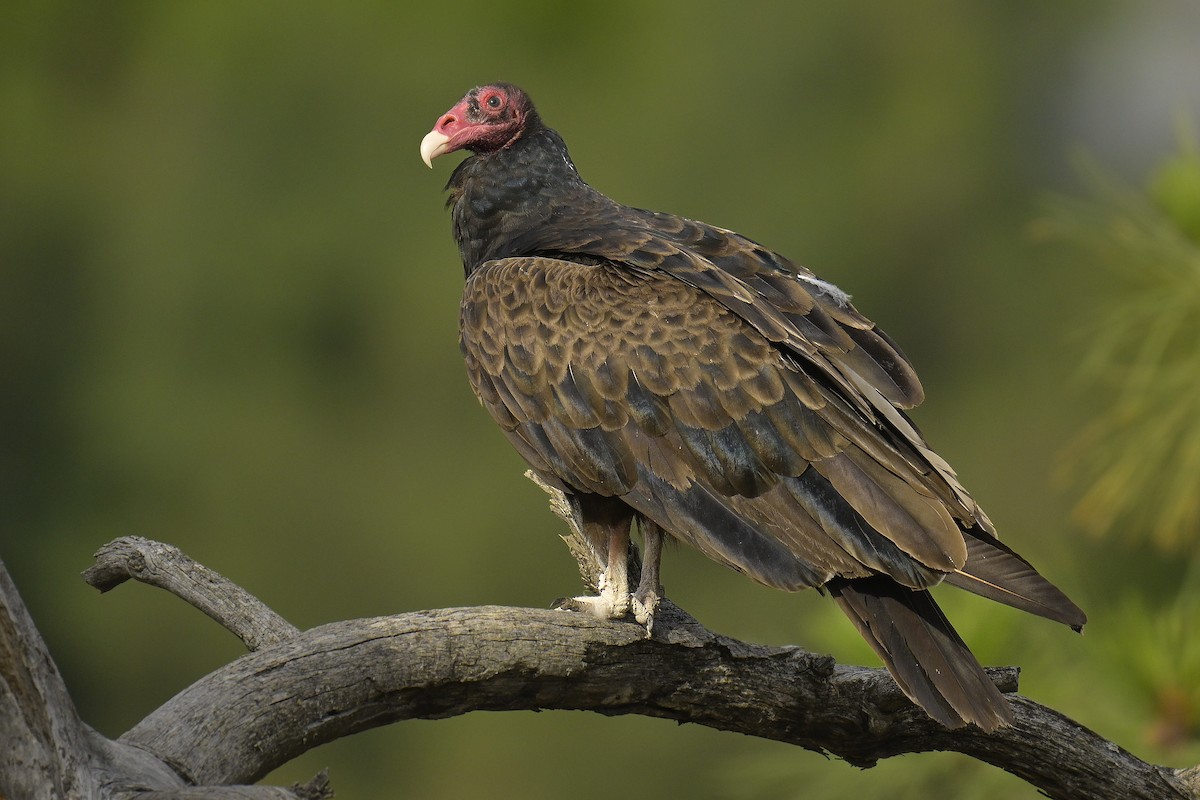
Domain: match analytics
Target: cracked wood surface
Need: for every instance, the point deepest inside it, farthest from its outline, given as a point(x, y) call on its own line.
point(297, 690)
point(349, 676)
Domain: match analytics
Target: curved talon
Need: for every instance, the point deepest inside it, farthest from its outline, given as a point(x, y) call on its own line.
point(644, 605)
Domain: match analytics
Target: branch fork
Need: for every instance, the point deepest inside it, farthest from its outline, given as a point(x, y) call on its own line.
point(225, 731)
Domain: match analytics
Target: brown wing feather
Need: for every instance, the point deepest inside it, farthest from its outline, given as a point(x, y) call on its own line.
point(994, 571)
point(930, 662)
point(782, 301)
point(819, 311)
point(653, 391)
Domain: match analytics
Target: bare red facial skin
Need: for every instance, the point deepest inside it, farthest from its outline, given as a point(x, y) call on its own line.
point(487, 119)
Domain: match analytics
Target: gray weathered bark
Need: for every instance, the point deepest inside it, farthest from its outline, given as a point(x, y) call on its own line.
point(228, 729)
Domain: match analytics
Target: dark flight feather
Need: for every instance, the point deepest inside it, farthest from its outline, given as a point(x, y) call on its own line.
point(994, 571)
point(928, 659)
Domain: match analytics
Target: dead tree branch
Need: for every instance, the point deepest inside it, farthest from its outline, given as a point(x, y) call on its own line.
point(348, 676)
point(297, 690)
point(167, 567)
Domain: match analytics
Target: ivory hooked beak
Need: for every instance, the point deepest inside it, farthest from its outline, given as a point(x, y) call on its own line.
point(432, 146)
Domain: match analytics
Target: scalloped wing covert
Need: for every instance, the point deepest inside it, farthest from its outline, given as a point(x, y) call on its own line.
point(643, 387)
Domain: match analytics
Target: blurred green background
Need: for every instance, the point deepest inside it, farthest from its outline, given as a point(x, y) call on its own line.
point(228, 311)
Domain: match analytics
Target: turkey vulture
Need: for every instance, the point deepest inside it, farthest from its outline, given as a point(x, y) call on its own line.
point(663, 370)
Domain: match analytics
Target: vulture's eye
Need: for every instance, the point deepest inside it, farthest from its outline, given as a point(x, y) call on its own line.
point(494, 101)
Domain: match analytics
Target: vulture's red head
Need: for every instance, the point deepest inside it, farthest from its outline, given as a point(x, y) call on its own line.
point(487, 119)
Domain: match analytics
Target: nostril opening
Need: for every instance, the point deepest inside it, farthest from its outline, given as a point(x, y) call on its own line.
point(446, 120)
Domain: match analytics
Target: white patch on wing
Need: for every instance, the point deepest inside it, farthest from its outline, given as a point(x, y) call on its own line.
point(825, 287)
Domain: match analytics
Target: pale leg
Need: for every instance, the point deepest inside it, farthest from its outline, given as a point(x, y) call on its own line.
point(645, 599)
point(613, 600)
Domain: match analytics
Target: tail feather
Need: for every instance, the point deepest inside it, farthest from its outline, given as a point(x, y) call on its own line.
point(929, 661)
point(994, 571)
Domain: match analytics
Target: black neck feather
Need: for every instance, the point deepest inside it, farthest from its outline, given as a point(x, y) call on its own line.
point(496, 198)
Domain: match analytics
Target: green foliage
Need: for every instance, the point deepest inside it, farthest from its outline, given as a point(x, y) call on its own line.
point(1158, 661)
point(1175, 187)
point(1139, 458)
